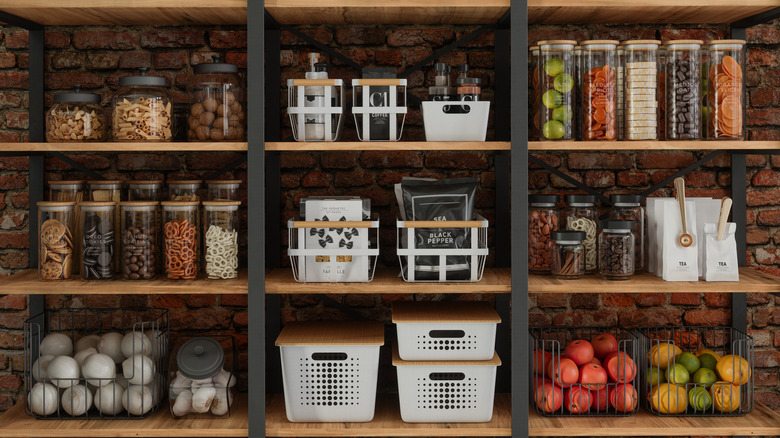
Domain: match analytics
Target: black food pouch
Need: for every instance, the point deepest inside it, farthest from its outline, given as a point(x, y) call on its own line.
point(442, 200)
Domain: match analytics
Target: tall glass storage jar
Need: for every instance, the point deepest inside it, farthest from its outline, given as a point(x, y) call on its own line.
point(556, 88)
point(142, 109)
point(629, 207)
point(533, 75)
point(568, 255)
point(726, 90)
point(76, 117)
point(542, 220)
point(598, 77)
point(581, 214)
point(181, 237)
point(97, 245)
point(184, 190)
point(144, 190)
point(140, 237)
point(222, 189)
point(616, 250)
point(662, 102)
point(220, 225)
point(106, 191)
point(683, 89)
point(640, 89)
point(577, 93)
point(217, 104)
point(55, 240)
point(619, 101)
point(66, 191)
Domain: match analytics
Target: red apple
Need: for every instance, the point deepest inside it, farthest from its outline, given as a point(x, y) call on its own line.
point(541, 359)
point(595, 360)
point(563, 371)
point(623, 397)
point(593, 375)
point(577, 399)
point(603, 344)
point(621, 368)
point(580, 351)
point(547, 396)
point(600, 398)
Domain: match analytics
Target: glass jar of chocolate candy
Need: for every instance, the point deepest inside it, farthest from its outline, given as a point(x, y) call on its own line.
point(616, 249)
point(55, 240)
point(542, 220)
point(222, 189)
point(598, 79)
point(184, 190)
point(556, 85)
point(142, 109)
point(581, 214)
point(76, 117)
point(640, 90)
point(726, 85)
point(144, 190)
point(220, 236)
point(568, 255)
point(97, 245)
point(629, 207)
point(140, 240)
point(181, 239)
point(683, 89)
point(217, 104)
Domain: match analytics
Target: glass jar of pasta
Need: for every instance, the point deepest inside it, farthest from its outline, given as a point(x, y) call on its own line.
point(97, 245)
point(76, 117)
point(223, 190)
point(184, 190)
point(144, 190)
point(220, 231)
point(55, 240)
point(181, 239)
point(142, 109)
point(581, 214)
point(140, 237)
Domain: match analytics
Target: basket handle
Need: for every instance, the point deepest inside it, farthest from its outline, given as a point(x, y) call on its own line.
point(447, 334)
point(447, 376)
point(329, 356)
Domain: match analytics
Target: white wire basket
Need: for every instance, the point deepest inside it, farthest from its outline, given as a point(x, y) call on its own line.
point(456, 121)
point(346, 262)
point(442, 264)
point(318, 119)
point(446, 392)
point(379, 100)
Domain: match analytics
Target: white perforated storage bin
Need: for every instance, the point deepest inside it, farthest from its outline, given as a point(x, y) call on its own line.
point(455, 121)
point(446, 392)
point(329, 370)
point(445, 330)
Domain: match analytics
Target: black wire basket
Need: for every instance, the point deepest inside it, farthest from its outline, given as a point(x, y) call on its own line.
point(78, 323)
point(668, 393)
point(611, 399)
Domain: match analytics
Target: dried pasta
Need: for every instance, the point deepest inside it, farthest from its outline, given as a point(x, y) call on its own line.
point(221, 253)
point(590, 228)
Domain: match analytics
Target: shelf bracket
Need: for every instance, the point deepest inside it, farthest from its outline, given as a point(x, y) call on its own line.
point(707, 158)
point(24, 23)
point(763, 17)
point(76, 165)
point(227, 168)
point(302, 36)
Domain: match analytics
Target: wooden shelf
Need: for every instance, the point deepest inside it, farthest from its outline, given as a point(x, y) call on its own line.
point(749, 281)
point(124, 147)
point(762, 421)
point(26, 282)
point(108, 12)
point(16, 423)
point(387, 422)
point(386, 281)
point(395, 12)
point(643, 11)
point(389, 146)
point(611, 146)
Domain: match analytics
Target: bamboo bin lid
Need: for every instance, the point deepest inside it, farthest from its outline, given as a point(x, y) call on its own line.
point(444, 311)
point(332, 333)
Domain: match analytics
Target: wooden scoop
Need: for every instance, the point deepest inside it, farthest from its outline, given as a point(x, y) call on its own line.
point(686, 239)
point(725, 208)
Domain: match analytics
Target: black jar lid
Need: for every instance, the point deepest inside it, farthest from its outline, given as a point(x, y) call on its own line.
point(441, 67)
point(616, 224)
point(579, 236)
point(469, 81)
point(625, 199)
point(215, 67)
point(76, 96)
point(580, 199)
point(142, 80)
point(543, 199)
point(200, 358)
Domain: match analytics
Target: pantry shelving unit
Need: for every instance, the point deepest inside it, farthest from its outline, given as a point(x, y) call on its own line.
point(380, 146)
point(125, 147)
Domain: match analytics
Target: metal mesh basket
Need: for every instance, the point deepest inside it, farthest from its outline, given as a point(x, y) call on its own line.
point(76, 323)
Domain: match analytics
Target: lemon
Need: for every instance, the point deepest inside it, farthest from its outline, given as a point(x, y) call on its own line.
point(667, 398)
point(727, 372)
point(663, 354)
point(725, 396)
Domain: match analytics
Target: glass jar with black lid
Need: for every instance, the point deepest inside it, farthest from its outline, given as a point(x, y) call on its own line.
point(142, 109)
point(568, 255)
point(629, 207)
point(75, 117)
point(217, 103)
point(616, 249)
point(581, 214)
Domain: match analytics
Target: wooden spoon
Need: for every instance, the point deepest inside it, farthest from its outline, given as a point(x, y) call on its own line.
point(725, 207)
point(686, 239)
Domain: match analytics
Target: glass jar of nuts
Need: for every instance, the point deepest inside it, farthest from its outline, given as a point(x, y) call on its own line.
point(76, 117)
point(217, 105)
point(142, 109)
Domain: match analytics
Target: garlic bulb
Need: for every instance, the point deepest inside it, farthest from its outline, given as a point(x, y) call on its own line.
point(64, 369)
point(77, 400)
point(183, 404)
point(111, 344)
point(82, 355)
point(136, 343)
point(108, 399)
point(137, 399)
point(179, 384)
point(43, 399)
point(86, 342)
point(224, 379)
point(56, 344)
point(40, 366)
point(222, 401)
point(99, 369)
point(139, 369)
point(202, 399)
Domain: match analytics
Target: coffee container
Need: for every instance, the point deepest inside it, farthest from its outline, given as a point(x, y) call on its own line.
point(629, 207)
point(616, 249)
point(379, 96)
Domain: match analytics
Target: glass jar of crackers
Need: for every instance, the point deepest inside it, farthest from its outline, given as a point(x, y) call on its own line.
point(76, 117)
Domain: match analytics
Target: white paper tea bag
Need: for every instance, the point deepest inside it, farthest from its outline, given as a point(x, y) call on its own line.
point(679, 263)
point(720, 256)
point(707, 210)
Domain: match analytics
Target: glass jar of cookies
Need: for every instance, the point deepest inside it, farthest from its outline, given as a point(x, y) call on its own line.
point(55, 240)
point(220, 231)
point(217, 104)
point(222, 189)
point(184, 190)
point(76, 117)
point(181, 239)
point(140, 236)
point(726, 90)
point(142, 109)
point(97, 244)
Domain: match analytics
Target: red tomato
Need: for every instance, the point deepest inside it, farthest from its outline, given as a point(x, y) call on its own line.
point(600, 398)
point(595, 360)
point(577, 399)
point(592, 373)
point(621, 368)
point(603, 344)
point(563, 371)
point(623, 397)
point(541, 359)
point(580, 351)
point(548, 397)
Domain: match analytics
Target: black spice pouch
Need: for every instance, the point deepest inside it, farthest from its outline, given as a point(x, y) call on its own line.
point(442, 200)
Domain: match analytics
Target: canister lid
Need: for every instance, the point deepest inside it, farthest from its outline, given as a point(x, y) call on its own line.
point(444, 312)
point(139, 204)
point(223, 181)
point(580, 199)
point(551, 42)
point(441, 67)
point(76, 96)
point(469, 81)
point(532, 48)
point(332, 333)
point(180, 203)
point(543, 199)
point(184, 181)
point(90, 204)
point(104, 182)
point(634, 42)
point(724, 42)
point(215, 67)
point(66, 182)
point(200, 358)
point(625, 199)
point(615, 224)
point(145, 182)
point(55, 204)
point(599, 42)
point(568, 235)
point(676, 42)
point(143, 80)
point(221, 203)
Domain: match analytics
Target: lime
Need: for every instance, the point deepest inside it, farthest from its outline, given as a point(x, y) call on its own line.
point(705, 376)
point(689, 361)
point(655, 377)
point(678, 374)
point(708, 361)
point(563, 83)
point(563, 114)
point(553, 130)
point(699, 399)
point(551, 99)
point(554, 67)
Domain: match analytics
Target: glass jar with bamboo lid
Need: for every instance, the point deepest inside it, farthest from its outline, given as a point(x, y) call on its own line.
point(220, 231)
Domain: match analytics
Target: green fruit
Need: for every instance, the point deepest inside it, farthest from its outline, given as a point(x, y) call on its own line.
point(699, 399)
point(707, 360)
point(563, 114)
point(689, 361)
point(705, 376)
point(552, 99)
point(563, 83)
point(553, 130)
point(655, 377)
point(678, 374)
point(554, 67)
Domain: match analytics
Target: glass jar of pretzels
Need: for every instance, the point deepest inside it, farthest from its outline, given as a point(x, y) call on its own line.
point(568, 255)
point(220, 235)
point(181, 239)
point(217, 105)
point(55, 240)
point(142, 109)
point(76, 117)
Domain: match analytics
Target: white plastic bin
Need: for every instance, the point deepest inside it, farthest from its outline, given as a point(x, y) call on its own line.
point(329, 370)
point(325, 108)
point(446, 392)
point(379, 105)
point(455, 121)
point(445, 330)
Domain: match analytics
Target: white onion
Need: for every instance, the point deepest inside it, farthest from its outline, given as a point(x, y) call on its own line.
point(64, 368)
point(183, 404)
point(77, 400)
point(111, 344)
point(40, 366)
point(56, 344)
point(137, 399)
point(82, 355)
point(136, 343)
point(202, 399)
point(225, 379)
point(180, 384)
point(139, 369)
point(222, 401)
point(86, 342)
point(108, 399)
point(43, 399)
point(99, 369)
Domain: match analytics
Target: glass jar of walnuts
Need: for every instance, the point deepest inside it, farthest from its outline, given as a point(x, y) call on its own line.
point(217, 105)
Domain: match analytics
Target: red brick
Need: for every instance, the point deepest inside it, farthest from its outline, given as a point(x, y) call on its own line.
point(241, 319)
point(708, 317)
point(618, 300)
point(239, 59)
point(602, 318)
point(234, 300)
point(766, 178)
point(168, 301)
point(761, 338)
point(203, 319)
point(228, 39)
point(104, 39)
point(417, 54)
point(418, 37)
point(10, 137)
point(763, 197)
point(537, 319)
point(324, 36)
point(135, 60)
point(649, 317)
point(766, 359)
point(651, 299)
point(102, 301)
point(757, 298)
point(488, 179)
point(148, 162)
point(15, 302)
point(759, 56)
point(360, 300)
point(552, 160)
point(763, 97)
point(486, 39)
point(17, 120)
point(632, 179)
point(212, 160)
point(66, 80)
point(17, 40)
point(10, 382)
point(717, 300)
point(7, 60)
point(356, 178)
point(286, 58)
point(763, 34)
point(197, 301)
point(362, 35)
point(67, 60)
point(588, 161)
point(764, 116)
point(170, 60)
point(15, 260)
point(482, 59)
point(599, 178)
point(585, 301)
point(21, 200)
point(15, 181)
point(56, 40)
point(388, 57)
point(13, 341)
point(686, 299)
point(174, 38)
point(664, 160)
point(290, 181)
point(456, 160)
point(95, 162)
point(707, 193)
point(768, 256)
point(316, 178)
point(707, 34)
point(776, 340)
point(103, 61)
point(766, 378)
point(385, 160)
point(759, 134)
point(700, 179)
point(757, 236)
point(536, 34)
point(8, 99)
point(13, 320)
point(552, 300)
